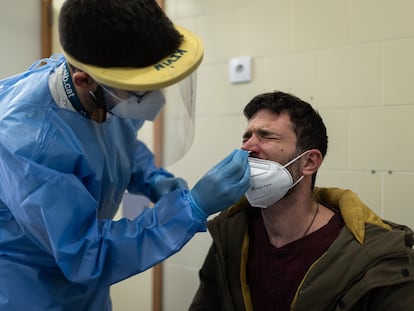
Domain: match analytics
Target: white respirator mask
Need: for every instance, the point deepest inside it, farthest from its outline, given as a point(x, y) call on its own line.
point(269, 181)
point(133, 105)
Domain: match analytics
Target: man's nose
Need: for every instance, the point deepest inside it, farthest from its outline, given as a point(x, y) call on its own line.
point(250, 144)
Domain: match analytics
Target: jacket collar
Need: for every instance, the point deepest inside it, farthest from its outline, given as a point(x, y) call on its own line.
point(355, 213)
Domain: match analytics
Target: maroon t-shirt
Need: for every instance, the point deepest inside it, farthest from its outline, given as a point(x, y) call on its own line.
point(274, 274)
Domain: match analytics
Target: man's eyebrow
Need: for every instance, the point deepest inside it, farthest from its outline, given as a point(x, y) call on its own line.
point(265, 132)
point(260, 132)
point(247, 134)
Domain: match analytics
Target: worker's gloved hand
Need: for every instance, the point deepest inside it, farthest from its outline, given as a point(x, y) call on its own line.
point(163, 185)
point(221, 186)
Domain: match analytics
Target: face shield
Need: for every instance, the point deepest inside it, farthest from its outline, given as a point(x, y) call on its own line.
point(179, 118)
point(140, 105)
point(172, 81)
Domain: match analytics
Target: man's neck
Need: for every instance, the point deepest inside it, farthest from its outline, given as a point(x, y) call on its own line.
point(294, 217)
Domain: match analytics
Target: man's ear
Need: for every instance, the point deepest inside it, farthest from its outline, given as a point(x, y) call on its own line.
point(312, 161)
point(83, 81)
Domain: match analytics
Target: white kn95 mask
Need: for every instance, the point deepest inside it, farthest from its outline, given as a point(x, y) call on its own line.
point(269, 181)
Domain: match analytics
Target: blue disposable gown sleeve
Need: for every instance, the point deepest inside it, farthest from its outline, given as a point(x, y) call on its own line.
point(145, 172)
point(59, 215)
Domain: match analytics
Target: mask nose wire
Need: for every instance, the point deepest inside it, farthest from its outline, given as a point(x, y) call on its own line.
point(141, 96)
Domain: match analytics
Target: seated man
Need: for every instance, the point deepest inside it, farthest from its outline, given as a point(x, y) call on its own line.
point(290, 246)
point(69, 149)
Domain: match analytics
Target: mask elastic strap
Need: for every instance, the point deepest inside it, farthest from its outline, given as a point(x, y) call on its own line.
point(98, 102)
point(294, 159)
point(296, 182)
point(290, 162)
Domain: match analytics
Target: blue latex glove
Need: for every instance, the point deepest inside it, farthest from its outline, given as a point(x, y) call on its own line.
point(163, 185)
point(221, 186)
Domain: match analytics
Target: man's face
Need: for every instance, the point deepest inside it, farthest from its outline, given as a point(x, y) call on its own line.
point(270, 136)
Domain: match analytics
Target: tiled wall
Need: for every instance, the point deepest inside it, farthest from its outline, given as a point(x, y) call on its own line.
point(352, 59)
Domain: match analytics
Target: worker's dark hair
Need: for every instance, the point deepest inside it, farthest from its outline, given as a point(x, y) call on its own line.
point(116, 33)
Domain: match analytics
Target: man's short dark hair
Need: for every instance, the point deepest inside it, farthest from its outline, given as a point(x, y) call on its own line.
point(308, 125)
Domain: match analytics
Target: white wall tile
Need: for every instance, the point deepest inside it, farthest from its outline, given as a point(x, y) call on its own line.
point(382, 139)
point(221, 35)
point(366, 185)
point(319, 24)
point(380, 19)
point(190, 23)
point(185, 8)
point(337, 127)
point(217, 96)
point(350, 77)
point(398, 72)
point(292, 73)
point(267, 35)
point(398, 198)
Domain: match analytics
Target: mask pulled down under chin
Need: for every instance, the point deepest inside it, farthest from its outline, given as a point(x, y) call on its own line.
point(269, 181)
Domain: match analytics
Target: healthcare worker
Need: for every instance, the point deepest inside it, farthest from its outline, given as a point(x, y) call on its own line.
point(68, 152)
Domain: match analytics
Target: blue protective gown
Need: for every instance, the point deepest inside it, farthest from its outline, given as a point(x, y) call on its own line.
point(62, 177)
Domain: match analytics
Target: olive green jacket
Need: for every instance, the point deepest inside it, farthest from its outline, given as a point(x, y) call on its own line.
point(370, 266)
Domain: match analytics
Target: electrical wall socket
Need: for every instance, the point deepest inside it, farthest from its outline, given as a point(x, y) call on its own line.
point(240, 69)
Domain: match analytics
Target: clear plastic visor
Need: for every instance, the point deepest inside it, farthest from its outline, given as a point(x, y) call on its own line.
point(178, 112)
point(116, 96)
point(120, 95)
point(179, 119)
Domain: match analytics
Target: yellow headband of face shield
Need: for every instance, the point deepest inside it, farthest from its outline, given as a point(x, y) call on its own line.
point(166, 72)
